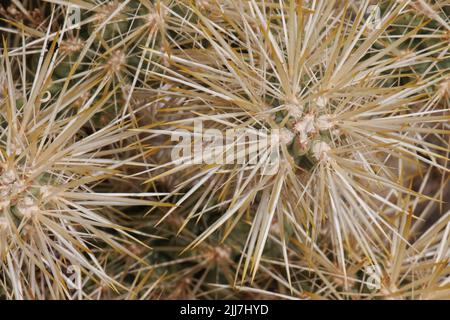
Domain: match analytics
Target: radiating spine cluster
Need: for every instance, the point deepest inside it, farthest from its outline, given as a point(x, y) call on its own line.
point(93, 204)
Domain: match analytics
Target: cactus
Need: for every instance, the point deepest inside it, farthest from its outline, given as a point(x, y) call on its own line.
point(174, 149)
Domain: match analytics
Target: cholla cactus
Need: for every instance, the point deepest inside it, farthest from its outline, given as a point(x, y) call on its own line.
point(52, 209)
point(327, 79)
point(336, 188)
